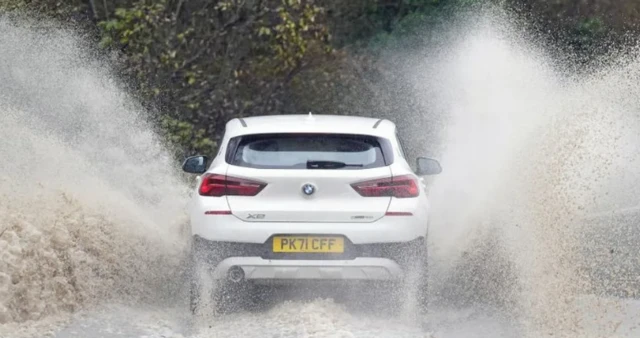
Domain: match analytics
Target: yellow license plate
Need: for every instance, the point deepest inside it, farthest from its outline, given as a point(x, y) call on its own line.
point(308, 244)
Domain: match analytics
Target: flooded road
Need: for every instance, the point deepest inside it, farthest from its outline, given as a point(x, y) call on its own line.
point(93, 227)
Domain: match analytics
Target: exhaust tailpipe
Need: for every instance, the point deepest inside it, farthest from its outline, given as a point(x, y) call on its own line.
point(235, 274)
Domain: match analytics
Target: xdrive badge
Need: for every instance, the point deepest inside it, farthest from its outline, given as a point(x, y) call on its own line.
point(308, 189)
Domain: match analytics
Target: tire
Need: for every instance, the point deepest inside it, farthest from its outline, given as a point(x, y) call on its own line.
point(231, 297)
point(422, 288)
point(418, 281)
point(194, 296)
point(410, 293)
point(196, 270)
point(225, 296)
point(394, 298)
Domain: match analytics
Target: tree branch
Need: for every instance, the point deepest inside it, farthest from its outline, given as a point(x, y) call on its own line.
point(176, 14)
point(92, 4)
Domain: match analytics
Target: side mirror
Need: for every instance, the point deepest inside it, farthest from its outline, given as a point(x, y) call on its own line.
point(195, 164)
point(428, 166)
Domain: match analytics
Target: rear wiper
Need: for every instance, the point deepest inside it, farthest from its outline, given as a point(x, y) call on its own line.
point(329, 165)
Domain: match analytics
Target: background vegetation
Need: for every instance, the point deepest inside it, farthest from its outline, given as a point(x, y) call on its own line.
point(202, 62)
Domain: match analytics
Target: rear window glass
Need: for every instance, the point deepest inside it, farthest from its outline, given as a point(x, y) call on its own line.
point(308, 151)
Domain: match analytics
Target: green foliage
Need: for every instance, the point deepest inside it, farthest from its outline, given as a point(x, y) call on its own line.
point(586, 28)
point(423, 20)
point(77, 10)
point(9, 5)
point(589, 30)
point(210, 63)
point(51, 8)
point(204, 62)
point(187, 137)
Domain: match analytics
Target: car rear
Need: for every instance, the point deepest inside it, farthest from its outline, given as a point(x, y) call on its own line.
point(309, 206)
point(327, 163)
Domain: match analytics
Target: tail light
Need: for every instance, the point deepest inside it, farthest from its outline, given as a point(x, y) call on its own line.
point(222, 185)
point(400, 187)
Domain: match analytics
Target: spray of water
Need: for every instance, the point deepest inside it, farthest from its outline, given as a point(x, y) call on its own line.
point(90, 207)
point(531, 149)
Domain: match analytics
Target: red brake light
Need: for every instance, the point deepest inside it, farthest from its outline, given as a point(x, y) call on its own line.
point(400, 187)
point(221, 185)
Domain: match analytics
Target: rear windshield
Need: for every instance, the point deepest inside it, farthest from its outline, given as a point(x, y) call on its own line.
point(307, 151)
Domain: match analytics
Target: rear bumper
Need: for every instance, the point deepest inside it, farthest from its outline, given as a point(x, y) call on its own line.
point(257, 269)
point(377, 261)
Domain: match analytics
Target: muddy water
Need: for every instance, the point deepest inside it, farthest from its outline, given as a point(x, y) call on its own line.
point(532, 147)
point(92, 219)
point(91, 207)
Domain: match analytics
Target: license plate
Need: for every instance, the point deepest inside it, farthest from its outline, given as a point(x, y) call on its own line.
point(308, 244)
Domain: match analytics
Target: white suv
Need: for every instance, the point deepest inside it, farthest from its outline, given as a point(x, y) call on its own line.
point(297, 199)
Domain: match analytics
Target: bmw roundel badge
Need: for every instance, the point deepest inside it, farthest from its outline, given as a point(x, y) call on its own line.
point(308, 189)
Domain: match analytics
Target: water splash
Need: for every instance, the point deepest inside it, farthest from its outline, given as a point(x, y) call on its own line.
point(90, 205)
point(531, 148)
point(92, 209)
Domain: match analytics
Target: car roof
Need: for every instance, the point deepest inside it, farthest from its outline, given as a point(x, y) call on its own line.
point(311, 123)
